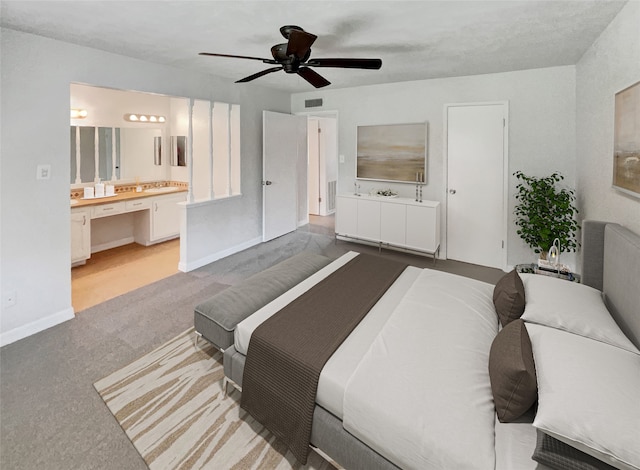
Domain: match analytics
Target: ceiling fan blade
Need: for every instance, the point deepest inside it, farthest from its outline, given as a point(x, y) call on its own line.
point(313, 77)
point(258, 75)
point(299, 43)
point(266, 61)
point(374, 64)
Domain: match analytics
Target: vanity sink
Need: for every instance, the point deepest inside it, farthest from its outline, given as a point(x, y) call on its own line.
point(73, 202)
point(163, 189)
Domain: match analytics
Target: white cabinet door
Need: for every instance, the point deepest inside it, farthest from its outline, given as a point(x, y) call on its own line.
point(421, 228)
point(346, 216)
point(393, 221)
point(369, 220)
point(80, 236)
point(165, 217)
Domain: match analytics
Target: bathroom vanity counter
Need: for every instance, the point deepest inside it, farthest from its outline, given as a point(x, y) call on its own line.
point(146, 218)
point(126, 196)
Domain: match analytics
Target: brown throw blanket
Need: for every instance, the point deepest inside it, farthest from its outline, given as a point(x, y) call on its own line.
point(287, 351)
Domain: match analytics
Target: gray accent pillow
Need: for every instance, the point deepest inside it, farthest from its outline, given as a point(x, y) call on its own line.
point(512, 372)
point(508, 297)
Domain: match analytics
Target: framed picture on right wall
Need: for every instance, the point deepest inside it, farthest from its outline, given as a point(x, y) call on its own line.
point(626, 151)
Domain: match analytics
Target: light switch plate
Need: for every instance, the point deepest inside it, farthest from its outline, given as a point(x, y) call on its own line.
point(341, 158)
point(43, 172)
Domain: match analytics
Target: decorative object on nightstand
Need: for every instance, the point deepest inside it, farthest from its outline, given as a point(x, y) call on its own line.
point(545, 213)
point(554, 253)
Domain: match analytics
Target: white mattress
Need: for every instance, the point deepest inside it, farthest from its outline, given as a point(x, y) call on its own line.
point(514, 443)
point(421, 395)
point(338, 369)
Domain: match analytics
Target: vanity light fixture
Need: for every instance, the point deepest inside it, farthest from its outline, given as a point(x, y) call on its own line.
point(78, 113)
point(143, 118)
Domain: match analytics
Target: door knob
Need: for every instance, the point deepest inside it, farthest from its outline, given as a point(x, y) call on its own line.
point(452, 191)
point(267, 183)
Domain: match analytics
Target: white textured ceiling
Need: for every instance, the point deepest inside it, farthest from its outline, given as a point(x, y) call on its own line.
point(415, 39)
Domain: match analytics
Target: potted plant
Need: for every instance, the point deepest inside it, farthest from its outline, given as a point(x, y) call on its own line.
point(545, 212)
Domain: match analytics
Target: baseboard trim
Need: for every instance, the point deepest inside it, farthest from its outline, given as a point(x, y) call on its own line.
point(37, 326)
point(186, 267)
point(113, 244)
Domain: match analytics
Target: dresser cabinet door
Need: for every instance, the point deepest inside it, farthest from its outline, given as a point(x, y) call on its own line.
point(346, 216)
point(393, 222)
point(421, 228)
point(369, 220)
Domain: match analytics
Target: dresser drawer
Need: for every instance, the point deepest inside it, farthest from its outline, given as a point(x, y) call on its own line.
point(105, 210)
point(137, 205)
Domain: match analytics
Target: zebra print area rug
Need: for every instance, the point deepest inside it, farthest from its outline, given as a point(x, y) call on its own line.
point(170, 404)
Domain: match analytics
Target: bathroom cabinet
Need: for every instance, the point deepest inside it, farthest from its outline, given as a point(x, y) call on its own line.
point(166, 216)
point(80, 236)
point(145, 220)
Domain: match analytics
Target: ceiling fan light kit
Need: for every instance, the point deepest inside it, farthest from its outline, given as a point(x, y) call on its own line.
point(294, 57)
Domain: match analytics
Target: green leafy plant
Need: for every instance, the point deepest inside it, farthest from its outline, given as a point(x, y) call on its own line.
point(545, 212)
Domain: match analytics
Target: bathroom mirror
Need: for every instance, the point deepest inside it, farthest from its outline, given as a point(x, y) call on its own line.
point(85, 167)
point(123, 153)
point(178, 150)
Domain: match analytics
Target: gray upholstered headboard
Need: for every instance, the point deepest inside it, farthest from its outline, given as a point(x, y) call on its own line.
point(611, 263)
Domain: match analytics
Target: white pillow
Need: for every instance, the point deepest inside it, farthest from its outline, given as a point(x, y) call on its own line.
point(588, 395)
point(571, 307)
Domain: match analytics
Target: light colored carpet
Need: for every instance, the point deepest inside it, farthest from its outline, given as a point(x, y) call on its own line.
point(170, 404)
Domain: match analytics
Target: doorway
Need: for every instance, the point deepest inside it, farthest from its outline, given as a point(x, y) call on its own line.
point(287, 177)
point(322, 164)
point(476, 189)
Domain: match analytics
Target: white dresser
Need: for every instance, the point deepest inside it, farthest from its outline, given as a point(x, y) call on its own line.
point(396, 222)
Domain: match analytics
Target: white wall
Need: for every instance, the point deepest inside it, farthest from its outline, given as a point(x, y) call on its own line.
point(610, 65)
point(35, 233)
point(541, 129)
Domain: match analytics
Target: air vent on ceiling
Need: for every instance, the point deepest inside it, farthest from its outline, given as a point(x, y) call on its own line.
point(313, 103)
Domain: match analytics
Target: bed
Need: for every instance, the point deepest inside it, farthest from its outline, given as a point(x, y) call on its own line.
point(432, 377)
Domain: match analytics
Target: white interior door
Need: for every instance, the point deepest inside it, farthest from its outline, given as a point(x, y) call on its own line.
point(475, 183)
point(281, 138)
point(314, 167)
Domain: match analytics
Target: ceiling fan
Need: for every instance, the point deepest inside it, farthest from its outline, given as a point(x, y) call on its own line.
point(293, 57)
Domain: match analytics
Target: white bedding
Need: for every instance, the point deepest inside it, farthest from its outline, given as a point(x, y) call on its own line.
point(424, 312)
point(421, 395)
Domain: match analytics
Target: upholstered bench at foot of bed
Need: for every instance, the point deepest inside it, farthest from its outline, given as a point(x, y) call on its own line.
point(216, 318)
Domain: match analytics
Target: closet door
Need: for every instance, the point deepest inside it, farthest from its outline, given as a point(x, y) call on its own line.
point(476, 205)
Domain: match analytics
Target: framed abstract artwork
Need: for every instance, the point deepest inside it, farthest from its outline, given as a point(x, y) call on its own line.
point(626, 151)
point(394, 152)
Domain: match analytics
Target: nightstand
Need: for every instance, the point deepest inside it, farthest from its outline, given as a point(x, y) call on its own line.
point(532, 268)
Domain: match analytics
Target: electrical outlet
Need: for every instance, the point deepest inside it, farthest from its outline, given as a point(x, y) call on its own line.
point(9, 299)
point(43, 172)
